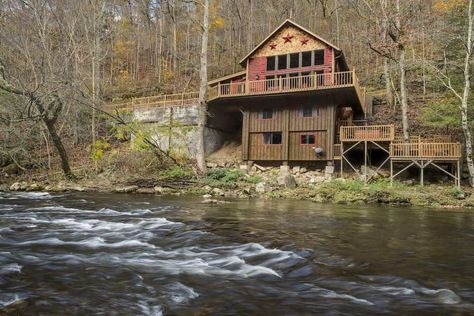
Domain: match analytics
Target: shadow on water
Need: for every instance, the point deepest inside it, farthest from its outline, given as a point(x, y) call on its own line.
point(132, 254)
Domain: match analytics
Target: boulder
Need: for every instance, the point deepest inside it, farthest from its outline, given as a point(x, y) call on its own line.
point(303, 170)
point(17, 186)
point(146, 190)
point(218, 192)
point(317, 180)
point(34, 187)
point(211, 165)
point(126, 189)
point(158, 190)
point(247, 191)
point(296, 169)
point(287, 181)
point(244, 168)
point(207, 196)
point(78, 188)
point(260, 187)
point(371, 173)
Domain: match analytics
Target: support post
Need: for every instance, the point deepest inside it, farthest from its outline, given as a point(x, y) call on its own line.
point(391, 173)
point(459, 173)
point(365, 162)
point(422, 174)
point(342, 158)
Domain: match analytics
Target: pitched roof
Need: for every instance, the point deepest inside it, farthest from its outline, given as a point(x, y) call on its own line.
point(285, 23)
point(231, 76)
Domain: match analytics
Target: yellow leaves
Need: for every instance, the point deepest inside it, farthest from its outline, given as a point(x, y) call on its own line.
point(448, 5)
point(217, 22)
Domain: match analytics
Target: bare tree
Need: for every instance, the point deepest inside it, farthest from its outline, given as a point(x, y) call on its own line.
point(201, 152)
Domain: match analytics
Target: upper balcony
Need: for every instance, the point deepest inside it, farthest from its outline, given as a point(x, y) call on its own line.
point(315, 82)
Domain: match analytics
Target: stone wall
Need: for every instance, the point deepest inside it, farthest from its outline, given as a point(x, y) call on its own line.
point(176, 128)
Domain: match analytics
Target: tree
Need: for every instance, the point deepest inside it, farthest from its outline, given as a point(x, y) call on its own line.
point(33, 66)
point(201, 152)
point(447, 78)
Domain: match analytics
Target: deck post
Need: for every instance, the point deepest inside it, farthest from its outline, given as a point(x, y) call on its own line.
point(459, 173)
point(365, 161)
point(422, 173)
point(218, 89)
point(391, 173)
point(342, 158)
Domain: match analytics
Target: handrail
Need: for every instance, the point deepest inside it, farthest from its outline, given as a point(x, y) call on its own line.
point(420, 139)
point(425, 150)
point(184, 98)
point(291, 84)
point(367, 133)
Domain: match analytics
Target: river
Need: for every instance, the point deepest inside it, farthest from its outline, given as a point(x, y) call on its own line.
point(114, 254)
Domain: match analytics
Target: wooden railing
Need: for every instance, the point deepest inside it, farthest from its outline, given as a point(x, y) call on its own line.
point(186, 98)
point(448, 151)
point(420, 139)
point(291, 84)
point(369, 133)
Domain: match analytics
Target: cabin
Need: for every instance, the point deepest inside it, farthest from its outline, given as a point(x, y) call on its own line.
point(294, 93)
point(295, 101)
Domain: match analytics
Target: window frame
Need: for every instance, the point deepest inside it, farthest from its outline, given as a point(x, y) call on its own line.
point(271, 135)
point(261, 114)
point(310, 58)
point(307, 135)
point(298, 60)
point(283, 58)
point(314, 111)
point(323, 51)
point(274, 58)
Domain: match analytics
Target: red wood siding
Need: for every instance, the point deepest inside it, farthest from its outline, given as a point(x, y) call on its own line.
point(306, 152)
point(257, 66)
point(259, 151)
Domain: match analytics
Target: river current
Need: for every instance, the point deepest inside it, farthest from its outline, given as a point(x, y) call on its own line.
point(116, 254)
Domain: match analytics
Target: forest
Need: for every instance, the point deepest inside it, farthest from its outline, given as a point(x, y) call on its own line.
point(62, 61)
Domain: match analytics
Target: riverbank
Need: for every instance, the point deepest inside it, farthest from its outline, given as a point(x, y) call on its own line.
point(228, 183)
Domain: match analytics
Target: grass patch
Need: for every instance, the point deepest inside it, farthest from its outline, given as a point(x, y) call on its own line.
point(176, 172)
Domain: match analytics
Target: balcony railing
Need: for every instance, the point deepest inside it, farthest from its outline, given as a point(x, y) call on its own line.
point(406, 151)
point(291, 84)
point(179, 99)
point(367, 133)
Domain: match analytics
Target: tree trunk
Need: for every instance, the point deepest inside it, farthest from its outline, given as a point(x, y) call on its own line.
point(58, 144)
point(403, 94)
point(201, 152)
point(388, 87)
point(465, 98)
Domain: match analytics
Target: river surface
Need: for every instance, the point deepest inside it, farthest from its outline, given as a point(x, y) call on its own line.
point(115, 254)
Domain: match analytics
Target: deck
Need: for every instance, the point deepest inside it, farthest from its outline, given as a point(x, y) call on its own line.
point(179, 99)
point(436, 147)
point(346, 79)
point(426, 151)
point(379, 133)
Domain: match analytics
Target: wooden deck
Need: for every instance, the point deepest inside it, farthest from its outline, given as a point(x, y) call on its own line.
point(425, 151)
point(375, 133)
point(436, 147)
point(291, 84)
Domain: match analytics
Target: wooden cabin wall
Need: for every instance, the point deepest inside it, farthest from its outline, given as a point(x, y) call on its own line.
point(287, 120)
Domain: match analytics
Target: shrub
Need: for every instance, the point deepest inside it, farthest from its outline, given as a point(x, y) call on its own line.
point(176, 172)
point(225, 175)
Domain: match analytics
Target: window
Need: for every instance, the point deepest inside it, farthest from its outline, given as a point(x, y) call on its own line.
point(307, 139)
point(306, 59)
point(265, 114)
point(282, 64)
point(319, 57)
point(309, 111)
point(294, 60)
point(272, 138)
point(271, 63)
